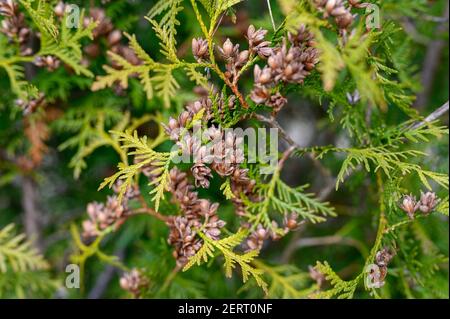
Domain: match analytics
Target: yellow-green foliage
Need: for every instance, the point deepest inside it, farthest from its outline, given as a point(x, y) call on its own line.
point(18, 253)
point(225, 247)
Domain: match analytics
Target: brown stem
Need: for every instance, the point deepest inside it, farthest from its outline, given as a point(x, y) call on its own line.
point(273, 123)
point(285, 156)
point(170, 278)
point(236, 92)
point(147, 210)
point(232, 86)
point(32, 215)
point(433, 116)
point(324, 171)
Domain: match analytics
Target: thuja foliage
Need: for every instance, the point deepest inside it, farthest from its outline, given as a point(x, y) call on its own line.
point(118, 153)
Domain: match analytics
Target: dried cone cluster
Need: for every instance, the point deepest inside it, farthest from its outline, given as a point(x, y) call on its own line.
point(177, 128)
point(341, 13)
point(30, 105)
point(336, 9)
point(427, 203)
point(236, 59)
point(290, 63)
point(256, 239)
point(382, 260)
point(104, 215)
point(223, 151)
point(133, 282)
point(200, 49)
point(105, 29)
point(49, 62)
point(257, 43)
point(198, 215)
point(14, 26)
point(220, 150)
point(217, 150)
point(316, 275)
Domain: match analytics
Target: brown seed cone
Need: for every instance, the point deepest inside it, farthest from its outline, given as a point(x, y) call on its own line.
point(384, 257)
point(291, 222)
point(92, 50)
point(213, 226)
point(8, 8)
point(428, 201)
point(336, 9)
point(276, 102)
point(133, 281)
point(260, 94)
point(409, 205)
point(201, 173)
point(223, 169)
point(200, 49)
point(104, 23)
point(14, 25)
point(101, 216)
point(114, 37)
point(228, 50)
point(182, 236)
point(49, 62)
point(31, 105)
point(303, 37)
point(256, 239)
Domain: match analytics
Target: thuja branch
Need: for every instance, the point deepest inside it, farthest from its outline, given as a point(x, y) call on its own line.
point(433, 116)
point(147, 210)
point(405, 222)
point(87, 251)
point(209, 38)
point(382, 222)
point(231, 85)
point(331, 240)
point(274, 123)
point(284, 157)
point(283, 134)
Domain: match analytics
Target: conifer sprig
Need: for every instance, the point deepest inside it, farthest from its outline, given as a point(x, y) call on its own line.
point(17, 253)
point(225, 246)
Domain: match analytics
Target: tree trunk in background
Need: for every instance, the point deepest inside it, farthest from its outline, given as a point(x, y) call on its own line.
point(32, 215)
point(431, 62)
